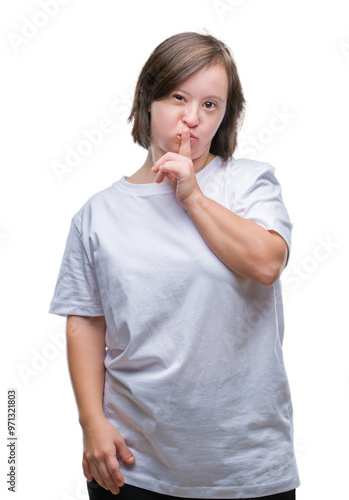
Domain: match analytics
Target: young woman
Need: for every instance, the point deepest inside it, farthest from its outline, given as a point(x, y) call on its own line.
point(170, 285)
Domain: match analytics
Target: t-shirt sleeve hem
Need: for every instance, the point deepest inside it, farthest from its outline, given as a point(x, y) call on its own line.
point(285, 233)
point(75, 309)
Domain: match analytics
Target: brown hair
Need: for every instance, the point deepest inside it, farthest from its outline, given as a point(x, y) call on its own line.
point(171, 63)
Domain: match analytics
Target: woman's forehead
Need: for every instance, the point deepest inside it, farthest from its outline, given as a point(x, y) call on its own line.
point(211, 79)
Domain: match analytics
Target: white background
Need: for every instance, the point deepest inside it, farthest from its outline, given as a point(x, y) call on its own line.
point(79, 68)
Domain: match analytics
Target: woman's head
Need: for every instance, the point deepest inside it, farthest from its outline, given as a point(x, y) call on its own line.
point(173, 62)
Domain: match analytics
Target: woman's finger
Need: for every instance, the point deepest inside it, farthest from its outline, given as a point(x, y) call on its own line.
point(161, 174)
point(170, 168)
point(104, 478)
point(86, 469)
point(185, 149)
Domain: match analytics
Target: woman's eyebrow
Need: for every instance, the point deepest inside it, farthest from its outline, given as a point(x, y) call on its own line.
point(217, 97)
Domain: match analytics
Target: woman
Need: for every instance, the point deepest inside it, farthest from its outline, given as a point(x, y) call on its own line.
point(170, 284)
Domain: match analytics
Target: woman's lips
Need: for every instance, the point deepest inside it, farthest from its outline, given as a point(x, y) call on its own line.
point(193, 137)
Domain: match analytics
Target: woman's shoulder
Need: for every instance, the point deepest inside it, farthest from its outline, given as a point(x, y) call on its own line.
point(248, 166)
point(244, 176)
point(96, 203)
point(244, 171)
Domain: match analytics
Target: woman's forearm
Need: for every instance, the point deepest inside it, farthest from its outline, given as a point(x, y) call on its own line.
point(245, 247)
point(102, 442)
point(86, 353)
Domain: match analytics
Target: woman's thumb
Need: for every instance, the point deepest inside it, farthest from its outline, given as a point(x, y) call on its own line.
point(125, 453)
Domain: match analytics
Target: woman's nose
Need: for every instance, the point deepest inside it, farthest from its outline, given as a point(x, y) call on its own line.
point(191, 116)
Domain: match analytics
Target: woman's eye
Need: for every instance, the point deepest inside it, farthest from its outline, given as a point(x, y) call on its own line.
point(178, 97)
point(210, 105)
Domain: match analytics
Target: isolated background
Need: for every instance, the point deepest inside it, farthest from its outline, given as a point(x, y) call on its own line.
point(80, 68)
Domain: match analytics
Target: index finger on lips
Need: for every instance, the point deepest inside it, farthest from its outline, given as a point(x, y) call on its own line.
point(185, 148)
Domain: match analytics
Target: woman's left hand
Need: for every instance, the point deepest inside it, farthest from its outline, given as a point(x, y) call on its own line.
point(179, 170)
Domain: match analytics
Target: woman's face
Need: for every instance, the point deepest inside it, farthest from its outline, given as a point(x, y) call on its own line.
point(199, 103)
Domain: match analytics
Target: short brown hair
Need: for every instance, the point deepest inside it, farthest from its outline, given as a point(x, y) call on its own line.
point(171, 63)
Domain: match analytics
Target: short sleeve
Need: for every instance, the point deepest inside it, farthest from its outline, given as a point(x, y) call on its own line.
point(259, 198)
point(76, 290)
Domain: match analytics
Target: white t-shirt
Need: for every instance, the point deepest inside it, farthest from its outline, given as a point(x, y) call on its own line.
point(195, 380)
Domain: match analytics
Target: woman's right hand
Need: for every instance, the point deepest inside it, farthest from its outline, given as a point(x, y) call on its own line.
point(102, 445)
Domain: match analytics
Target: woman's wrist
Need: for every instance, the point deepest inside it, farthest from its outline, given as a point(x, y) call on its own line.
point(89, 420)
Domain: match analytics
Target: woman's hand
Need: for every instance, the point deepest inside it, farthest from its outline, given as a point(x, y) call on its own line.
point(179, 170)
point(102, 445)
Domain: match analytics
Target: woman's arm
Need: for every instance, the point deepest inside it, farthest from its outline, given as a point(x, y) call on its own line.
point(86, 353)
point(244, 246)
point(102, 442)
